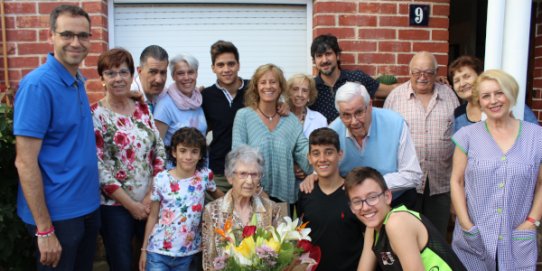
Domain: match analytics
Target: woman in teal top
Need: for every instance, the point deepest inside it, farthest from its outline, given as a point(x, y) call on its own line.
point(280, 139)
point(395, 239)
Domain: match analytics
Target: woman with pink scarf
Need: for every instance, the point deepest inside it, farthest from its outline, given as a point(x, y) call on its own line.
point(180, 104)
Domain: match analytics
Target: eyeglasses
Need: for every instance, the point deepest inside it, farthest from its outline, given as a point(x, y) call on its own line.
point(424, 73)
point(244, 175)
point(124, 73)
point(68, 35)
point(371, 201)
point(358, 114)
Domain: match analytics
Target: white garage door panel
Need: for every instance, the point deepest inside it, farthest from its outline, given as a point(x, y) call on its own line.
point(262, 33)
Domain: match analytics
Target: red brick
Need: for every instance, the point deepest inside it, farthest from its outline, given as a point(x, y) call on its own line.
point(537, 83)
point(538, 40)
point(440, 35)
point(94, 85)
point(91, 61)
point(378, 34)
point(94, 97)
point(95, 7)
point(97, 47)
point(21, 35)
point(327, 20)
point(393, 70)
point(394, 46)
point(43, 35)
point(413, 34)
point(341, 33)
point(89, 72)
point(442, 60)
point(32, 21)
point(347, 58)
point(20, 8)
point(24, 72)
point(98, 21)
point(404, 9)
point(358, 46)
point(357, 20)
point(432, 47)
point(377, 8)
point(393, 21)
point(538, 29)
point(441, 10)
point(23, 62)
point(439, 22)
point(33, 48)
point(404, 59)
point(10, 22)
point(368, 69)
point(47, 7)
point(372, 58)
point(537, 104)
point(334, 7)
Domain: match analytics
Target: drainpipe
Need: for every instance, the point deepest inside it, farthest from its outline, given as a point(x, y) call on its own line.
point(8, 92)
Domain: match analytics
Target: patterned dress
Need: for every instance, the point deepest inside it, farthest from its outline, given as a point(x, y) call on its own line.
point(178, 231)
point(499, 190)
point(130, 151)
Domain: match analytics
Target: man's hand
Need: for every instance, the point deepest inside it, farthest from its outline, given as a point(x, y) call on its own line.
point(443, 80)
point(136, 96)
point(50, 250)
point(299, 173)
point(307, 185)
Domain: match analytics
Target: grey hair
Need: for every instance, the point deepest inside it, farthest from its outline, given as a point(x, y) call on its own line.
point(350, 90)
point(427, 54)
point(191, 61)
point(246, 154)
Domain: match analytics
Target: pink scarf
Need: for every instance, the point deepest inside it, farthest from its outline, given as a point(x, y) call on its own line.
point(182, 101)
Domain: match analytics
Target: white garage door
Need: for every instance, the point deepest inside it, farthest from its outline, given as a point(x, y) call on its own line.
point(263, 33)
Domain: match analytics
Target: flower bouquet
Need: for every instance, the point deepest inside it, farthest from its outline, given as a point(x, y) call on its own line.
point(284, 248)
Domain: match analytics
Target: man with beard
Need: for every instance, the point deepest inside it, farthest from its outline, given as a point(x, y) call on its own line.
point(152, 71)
point(326, 53)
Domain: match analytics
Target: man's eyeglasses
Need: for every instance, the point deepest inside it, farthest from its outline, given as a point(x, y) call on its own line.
point(357, 204)
point(358, 114)
point(68, 35)
point(244, 175)
point(427, 73)
point(124, 73)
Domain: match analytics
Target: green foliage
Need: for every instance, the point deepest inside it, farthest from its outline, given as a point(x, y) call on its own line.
point(387, 79)
point(16, 245)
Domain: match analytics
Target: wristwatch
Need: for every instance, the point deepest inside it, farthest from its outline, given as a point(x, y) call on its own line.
point(534, 221)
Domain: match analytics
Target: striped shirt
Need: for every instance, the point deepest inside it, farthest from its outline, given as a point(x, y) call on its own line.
point(431, 130)
point(280, 148)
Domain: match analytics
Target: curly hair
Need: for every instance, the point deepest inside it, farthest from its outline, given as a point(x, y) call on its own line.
point(189, 137)
point(252, 97)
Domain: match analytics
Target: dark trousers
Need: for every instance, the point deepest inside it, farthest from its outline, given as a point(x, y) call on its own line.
point(118, 230)
point(408, 198)
point(77, 237)
point(436, 208)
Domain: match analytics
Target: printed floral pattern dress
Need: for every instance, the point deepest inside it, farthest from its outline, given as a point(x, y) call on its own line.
point(178, 231)
point(130, 151)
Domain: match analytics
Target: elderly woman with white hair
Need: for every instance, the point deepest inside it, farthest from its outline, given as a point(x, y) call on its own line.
point(180, 104)
point(241, 205)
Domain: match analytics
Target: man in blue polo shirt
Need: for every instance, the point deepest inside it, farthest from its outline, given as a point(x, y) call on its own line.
point(56, 150)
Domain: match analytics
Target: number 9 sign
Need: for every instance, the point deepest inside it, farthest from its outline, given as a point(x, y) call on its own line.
point(419, 15)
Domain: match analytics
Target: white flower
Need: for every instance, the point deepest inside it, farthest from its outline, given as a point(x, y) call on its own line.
point(289, 231)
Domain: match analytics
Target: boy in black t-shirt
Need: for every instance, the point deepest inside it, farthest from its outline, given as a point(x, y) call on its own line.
point(333, 226)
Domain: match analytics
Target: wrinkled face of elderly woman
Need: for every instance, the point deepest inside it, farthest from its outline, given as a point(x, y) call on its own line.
point(245, 179)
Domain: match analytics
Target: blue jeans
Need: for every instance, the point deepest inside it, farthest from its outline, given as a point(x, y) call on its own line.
point(159, 262)
point(118, 230)
point(77, 237)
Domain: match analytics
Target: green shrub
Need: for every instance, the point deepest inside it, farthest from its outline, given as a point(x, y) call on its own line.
point(16, 247)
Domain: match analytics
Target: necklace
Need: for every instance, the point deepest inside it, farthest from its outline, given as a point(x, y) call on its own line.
point(270, 118)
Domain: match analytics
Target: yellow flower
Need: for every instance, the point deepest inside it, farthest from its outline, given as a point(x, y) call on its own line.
point(246, 248)
point(272, 244)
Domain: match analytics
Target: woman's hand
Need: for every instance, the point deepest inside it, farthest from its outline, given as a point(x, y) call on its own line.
point(466, 225)
point(299, 174)
point(138, 210)
point(526, 225)
point(308, 184)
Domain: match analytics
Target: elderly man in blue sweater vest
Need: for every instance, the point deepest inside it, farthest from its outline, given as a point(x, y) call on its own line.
point(377, 138)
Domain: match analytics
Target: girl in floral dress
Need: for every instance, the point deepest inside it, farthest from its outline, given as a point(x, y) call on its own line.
point(173, 232)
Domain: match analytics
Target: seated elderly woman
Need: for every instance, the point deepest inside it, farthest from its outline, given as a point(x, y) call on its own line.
point(242, 203)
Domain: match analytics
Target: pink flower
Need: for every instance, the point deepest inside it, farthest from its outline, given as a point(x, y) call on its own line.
point(110, 188)
point(167, 245)
point(211, 175)
point(121, 122)
point(121, 139)
point(167, 217)
point(99, 139)
point(121, 175)
point(174, 187)
point(130, 155)
point(197, 208)
point(137, 113)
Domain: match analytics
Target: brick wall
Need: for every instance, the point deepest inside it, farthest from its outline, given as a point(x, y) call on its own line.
point(376, 37)
point(27, 35)
point(537, 71)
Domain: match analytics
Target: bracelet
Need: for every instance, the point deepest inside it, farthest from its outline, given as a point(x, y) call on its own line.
point(46, 233)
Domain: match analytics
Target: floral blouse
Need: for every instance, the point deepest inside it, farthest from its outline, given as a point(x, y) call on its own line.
point(178, 231)
point(267, 213)
point(130, 151)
